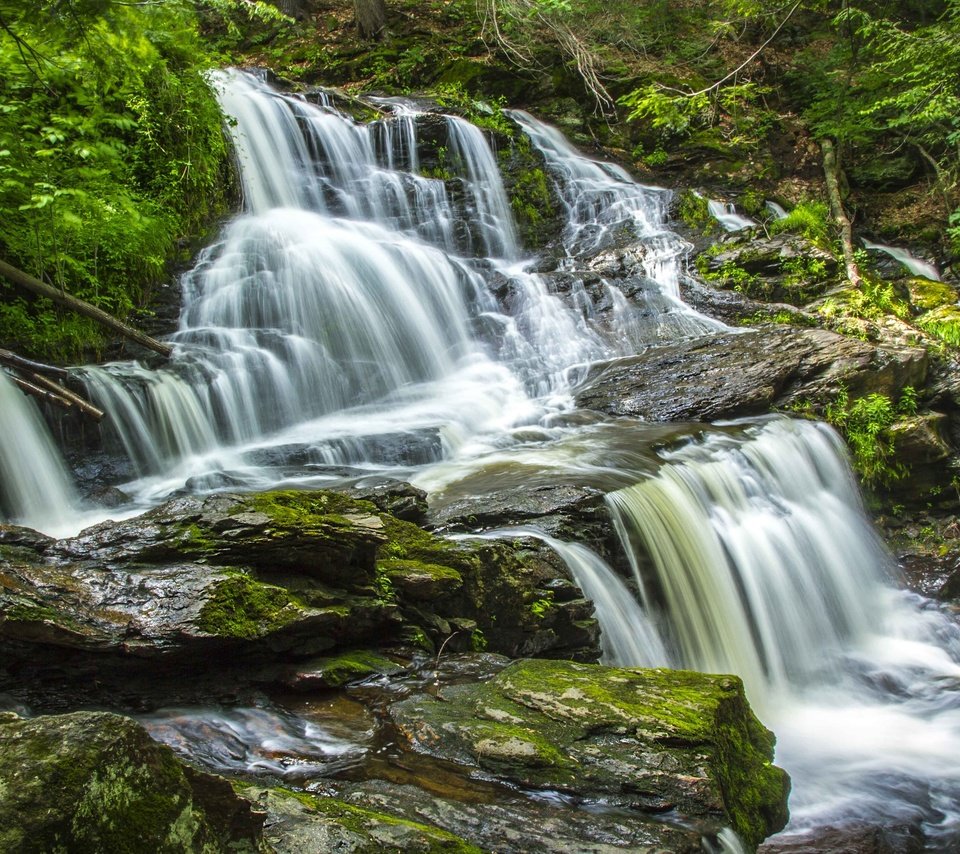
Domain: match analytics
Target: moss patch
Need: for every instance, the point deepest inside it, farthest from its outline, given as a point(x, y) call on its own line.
point(687, 739)
point(241, 607)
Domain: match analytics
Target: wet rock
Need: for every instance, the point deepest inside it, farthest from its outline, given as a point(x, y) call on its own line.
point(498, 819)
point(853, 839)
point(298, 822)
point(785, 267)
point(313, 533)
point(93, 781)
point(922, 448)
point(735, 374)
point(262, 580)
point(338, 670)
point(395, 497)
point(649, 740)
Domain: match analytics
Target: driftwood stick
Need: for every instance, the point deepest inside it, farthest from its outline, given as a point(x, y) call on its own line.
point(42, 393)
point(19, 363)
point(28, 282)
point(84, 406)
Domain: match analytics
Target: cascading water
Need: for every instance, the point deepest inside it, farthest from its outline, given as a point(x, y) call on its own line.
point(35, 489)
point(916, 266)
point(760, 561)
point(346, 306)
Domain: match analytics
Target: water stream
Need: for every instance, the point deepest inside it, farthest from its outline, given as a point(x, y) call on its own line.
point(362, 315)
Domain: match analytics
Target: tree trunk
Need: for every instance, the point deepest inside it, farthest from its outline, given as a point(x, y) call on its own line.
point(296, 9)
point(831, 171)
point(23, 280)
point(371, 17)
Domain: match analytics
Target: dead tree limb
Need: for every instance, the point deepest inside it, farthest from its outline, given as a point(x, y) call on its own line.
point(12, 360)
point(29, 283)
point(831, 172)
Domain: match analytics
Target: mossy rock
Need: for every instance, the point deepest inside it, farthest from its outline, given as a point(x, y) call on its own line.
point(242, 607)
point(299, 822)
point(421, 581)
point(96, 782)
point(926, 294)
point(322, 534)
point(647, 739)
point(336, 671)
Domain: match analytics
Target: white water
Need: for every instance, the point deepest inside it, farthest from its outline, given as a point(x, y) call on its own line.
point(776, 211)
point(762, 564)
point(629, 638)
point(916, 266)
point(726, 214)
point(35, 489)
point(349, 306)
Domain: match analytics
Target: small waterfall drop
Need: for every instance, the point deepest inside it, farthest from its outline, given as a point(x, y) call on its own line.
point(916, 266)
point(35, 489)
point(726, 214)
point(756, 553)
point(629, 639)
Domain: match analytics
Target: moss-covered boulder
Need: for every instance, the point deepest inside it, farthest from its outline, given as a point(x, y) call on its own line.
point(651, 740)
point(926, 294)
point(259, 583)
point(96, 782)
point(320, 533)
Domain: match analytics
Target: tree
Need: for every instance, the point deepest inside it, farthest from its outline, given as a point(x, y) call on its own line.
point(371, 17)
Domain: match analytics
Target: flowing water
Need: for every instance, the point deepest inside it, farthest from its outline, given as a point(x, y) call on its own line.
point(362, 315)
point(916, 266)
point(726, 214)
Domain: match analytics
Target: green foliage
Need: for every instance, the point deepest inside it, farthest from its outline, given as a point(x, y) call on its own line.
point(693, 210)
point(484, 114)
point(865, 423)
point(810, 219)
point(111, 152)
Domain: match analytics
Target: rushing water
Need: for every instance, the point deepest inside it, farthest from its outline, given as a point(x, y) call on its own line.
point(361, 313)
point(35, 489)
point(916, 266)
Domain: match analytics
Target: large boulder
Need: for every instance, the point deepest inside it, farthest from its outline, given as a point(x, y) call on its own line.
point(734, 374)
point(247, 584)
point(96, 782)
point(647, 740)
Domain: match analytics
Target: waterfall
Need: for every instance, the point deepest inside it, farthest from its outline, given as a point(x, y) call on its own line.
point(629, 638)
point(755, 553)
point(916, 266)
point(35, 489)
point(726, 214)
point(360, 312)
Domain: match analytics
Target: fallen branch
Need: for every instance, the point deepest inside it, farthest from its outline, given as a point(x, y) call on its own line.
point(70, 397)
point(18, 363)
point(831, 172)
point(28, 282)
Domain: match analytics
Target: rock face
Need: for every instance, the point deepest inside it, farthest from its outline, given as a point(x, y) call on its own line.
point(734, 374)
point(649, 740)
point(255, 582)
point(92, 781)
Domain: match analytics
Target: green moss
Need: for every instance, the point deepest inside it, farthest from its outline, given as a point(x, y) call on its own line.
point(299, 508)
point(362, 821)
point(30, 612)
point(241, 607)
point(927, 295)
point(399, 568)
point(350, 666)
point(693, 212)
